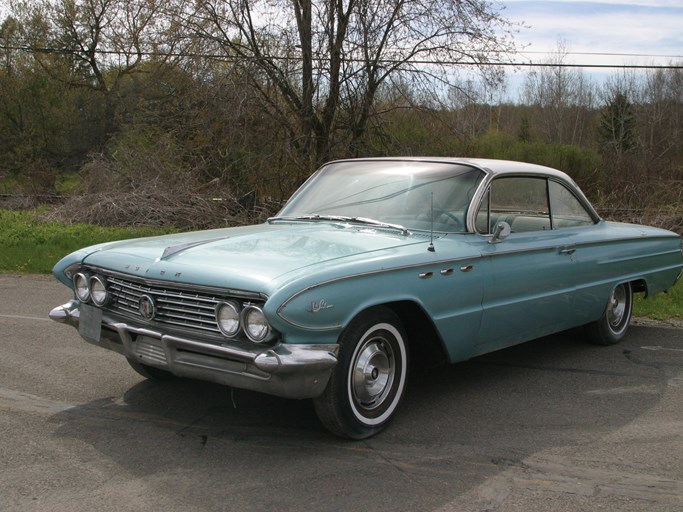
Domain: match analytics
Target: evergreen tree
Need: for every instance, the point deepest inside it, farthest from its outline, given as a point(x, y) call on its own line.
point(617, 125)
point(524, 132)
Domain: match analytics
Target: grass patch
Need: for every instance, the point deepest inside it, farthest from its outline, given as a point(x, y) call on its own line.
point(662, 306)
point(68, 183)
point(31, 245)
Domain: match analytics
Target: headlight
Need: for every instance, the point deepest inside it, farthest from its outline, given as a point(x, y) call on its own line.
point(98, 291)
point(81, 287)
point(228, 317)
point(255, 324)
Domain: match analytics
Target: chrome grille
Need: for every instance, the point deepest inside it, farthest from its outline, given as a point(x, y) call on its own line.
point(173, 306)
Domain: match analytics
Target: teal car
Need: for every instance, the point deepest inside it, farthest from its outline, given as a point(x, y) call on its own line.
point(372, 267)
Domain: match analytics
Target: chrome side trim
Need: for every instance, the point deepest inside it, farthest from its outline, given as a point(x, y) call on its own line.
point(448, 262)
point(583, 245)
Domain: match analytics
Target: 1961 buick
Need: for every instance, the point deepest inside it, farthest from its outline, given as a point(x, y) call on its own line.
point(372, 265)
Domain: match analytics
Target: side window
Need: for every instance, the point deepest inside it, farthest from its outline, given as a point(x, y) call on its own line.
point(522, 202)
point(567, 210)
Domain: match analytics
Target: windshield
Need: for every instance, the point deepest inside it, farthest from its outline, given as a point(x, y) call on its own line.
point(394, 192)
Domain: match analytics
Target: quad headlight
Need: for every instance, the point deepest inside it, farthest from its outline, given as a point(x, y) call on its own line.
point(256, 327)
point(81, 287)
point(91, 289)
point(228, 318)
point(249, 319)
point(98, 291)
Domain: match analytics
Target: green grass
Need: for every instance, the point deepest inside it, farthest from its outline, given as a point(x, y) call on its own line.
point(68, 183)
point(29, 245)
point(662, 306)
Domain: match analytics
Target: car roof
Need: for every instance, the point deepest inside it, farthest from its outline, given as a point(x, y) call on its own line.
point(488, 165)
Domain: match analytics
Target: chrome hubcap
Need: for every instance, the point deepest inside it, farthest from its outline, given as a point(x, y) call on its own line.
point(616, 309)
point(372, 373)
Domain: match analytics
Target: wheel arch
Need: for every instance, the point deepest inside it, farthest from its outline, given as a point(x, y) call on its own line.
point(639, 286)
point(425, 343)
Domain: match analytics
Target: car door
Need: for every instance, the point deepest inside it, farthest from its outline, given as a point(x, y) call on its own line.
point(529, 283)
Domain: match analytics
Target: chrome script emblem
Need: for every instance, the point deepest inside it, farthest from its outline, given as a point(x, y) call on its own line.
point(147, 307)
point(317, 306)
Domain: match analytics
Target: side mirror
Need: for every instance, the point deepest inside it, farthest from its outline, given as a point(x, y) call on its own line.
point(500, 233)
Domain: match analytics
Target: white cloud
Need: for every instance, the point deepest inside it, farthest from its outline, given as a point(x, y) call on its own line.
point(650, 27)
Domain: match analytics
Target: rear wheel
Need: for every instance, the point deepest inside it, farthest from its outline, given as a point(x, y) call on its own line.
point(612, 326)
point(369, 381)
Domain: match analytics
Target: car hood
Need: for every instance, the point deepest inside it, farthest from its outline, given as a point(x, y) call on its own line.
point(249, 258)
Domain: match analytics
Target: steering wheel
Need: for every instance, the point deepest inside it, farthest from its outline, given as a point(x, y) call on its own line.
point(438, 212)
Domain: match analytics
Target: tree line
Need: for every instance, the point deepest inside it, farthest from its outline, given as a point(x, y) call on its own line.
point(160, 101)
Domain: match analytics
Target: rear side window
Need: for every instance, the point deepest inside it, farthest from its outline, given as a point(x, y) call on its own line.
point(530, 204)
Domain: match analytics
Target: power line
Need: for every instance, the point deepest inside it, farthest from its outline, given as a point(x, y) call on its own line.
point(610, 54)
point(387, 61)
point(595, 66)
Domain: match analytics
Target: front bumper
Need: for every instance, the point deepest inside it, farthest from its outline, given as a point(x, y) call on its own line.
point(287, 370)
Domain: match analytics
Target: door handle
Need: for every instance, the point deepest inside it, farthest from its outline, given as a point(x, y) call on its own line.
point(567, 250)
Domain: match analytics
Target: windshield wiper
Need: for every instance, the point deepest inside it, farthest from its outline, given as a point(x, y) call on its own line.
point(341, 218)
point(346, 218)
point(380, 224)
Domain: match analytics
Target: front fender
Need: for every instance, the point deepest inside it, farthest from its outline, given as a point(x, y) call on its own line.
point(75, 258)
point(330, 306)
point(451, 299)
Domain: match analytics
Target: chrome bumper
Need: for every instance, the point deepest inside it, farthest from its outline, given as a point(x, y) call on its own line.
point(287, 370)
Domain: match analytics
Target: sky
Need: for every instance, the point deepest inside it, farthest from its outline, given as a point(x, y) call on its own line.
point(593, 32)
point(640, 27)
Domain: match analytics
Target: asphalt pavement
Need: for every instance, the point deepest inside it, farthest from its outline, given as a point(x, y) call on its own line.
point(554, 424)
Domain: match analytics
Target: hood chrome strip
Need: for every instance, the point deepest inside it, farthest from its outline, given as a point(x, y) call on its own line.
point(175, 249)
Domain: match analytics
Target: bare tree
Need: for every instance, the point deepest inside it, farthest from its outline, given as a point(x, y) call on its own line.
point(93, 44)
point(319, 64)
point(663, 113)
point(93, 36)
point(561, 97)
point(476, 107)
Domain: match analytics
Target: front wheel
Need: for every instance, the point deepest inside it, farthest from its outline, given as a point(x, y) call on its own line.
point(369, 381)
point(614, 322)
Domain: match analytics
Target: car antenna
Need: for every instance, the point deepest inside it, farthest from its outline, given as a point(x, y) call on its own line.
point(431, 228)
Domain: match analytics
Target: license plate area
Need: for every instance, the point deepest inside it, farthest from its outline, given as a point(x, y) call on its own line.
point(90, 323)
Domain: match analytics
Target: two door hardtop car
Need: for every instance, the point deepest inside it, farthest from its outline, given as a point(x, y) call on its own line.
point(372, 264)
